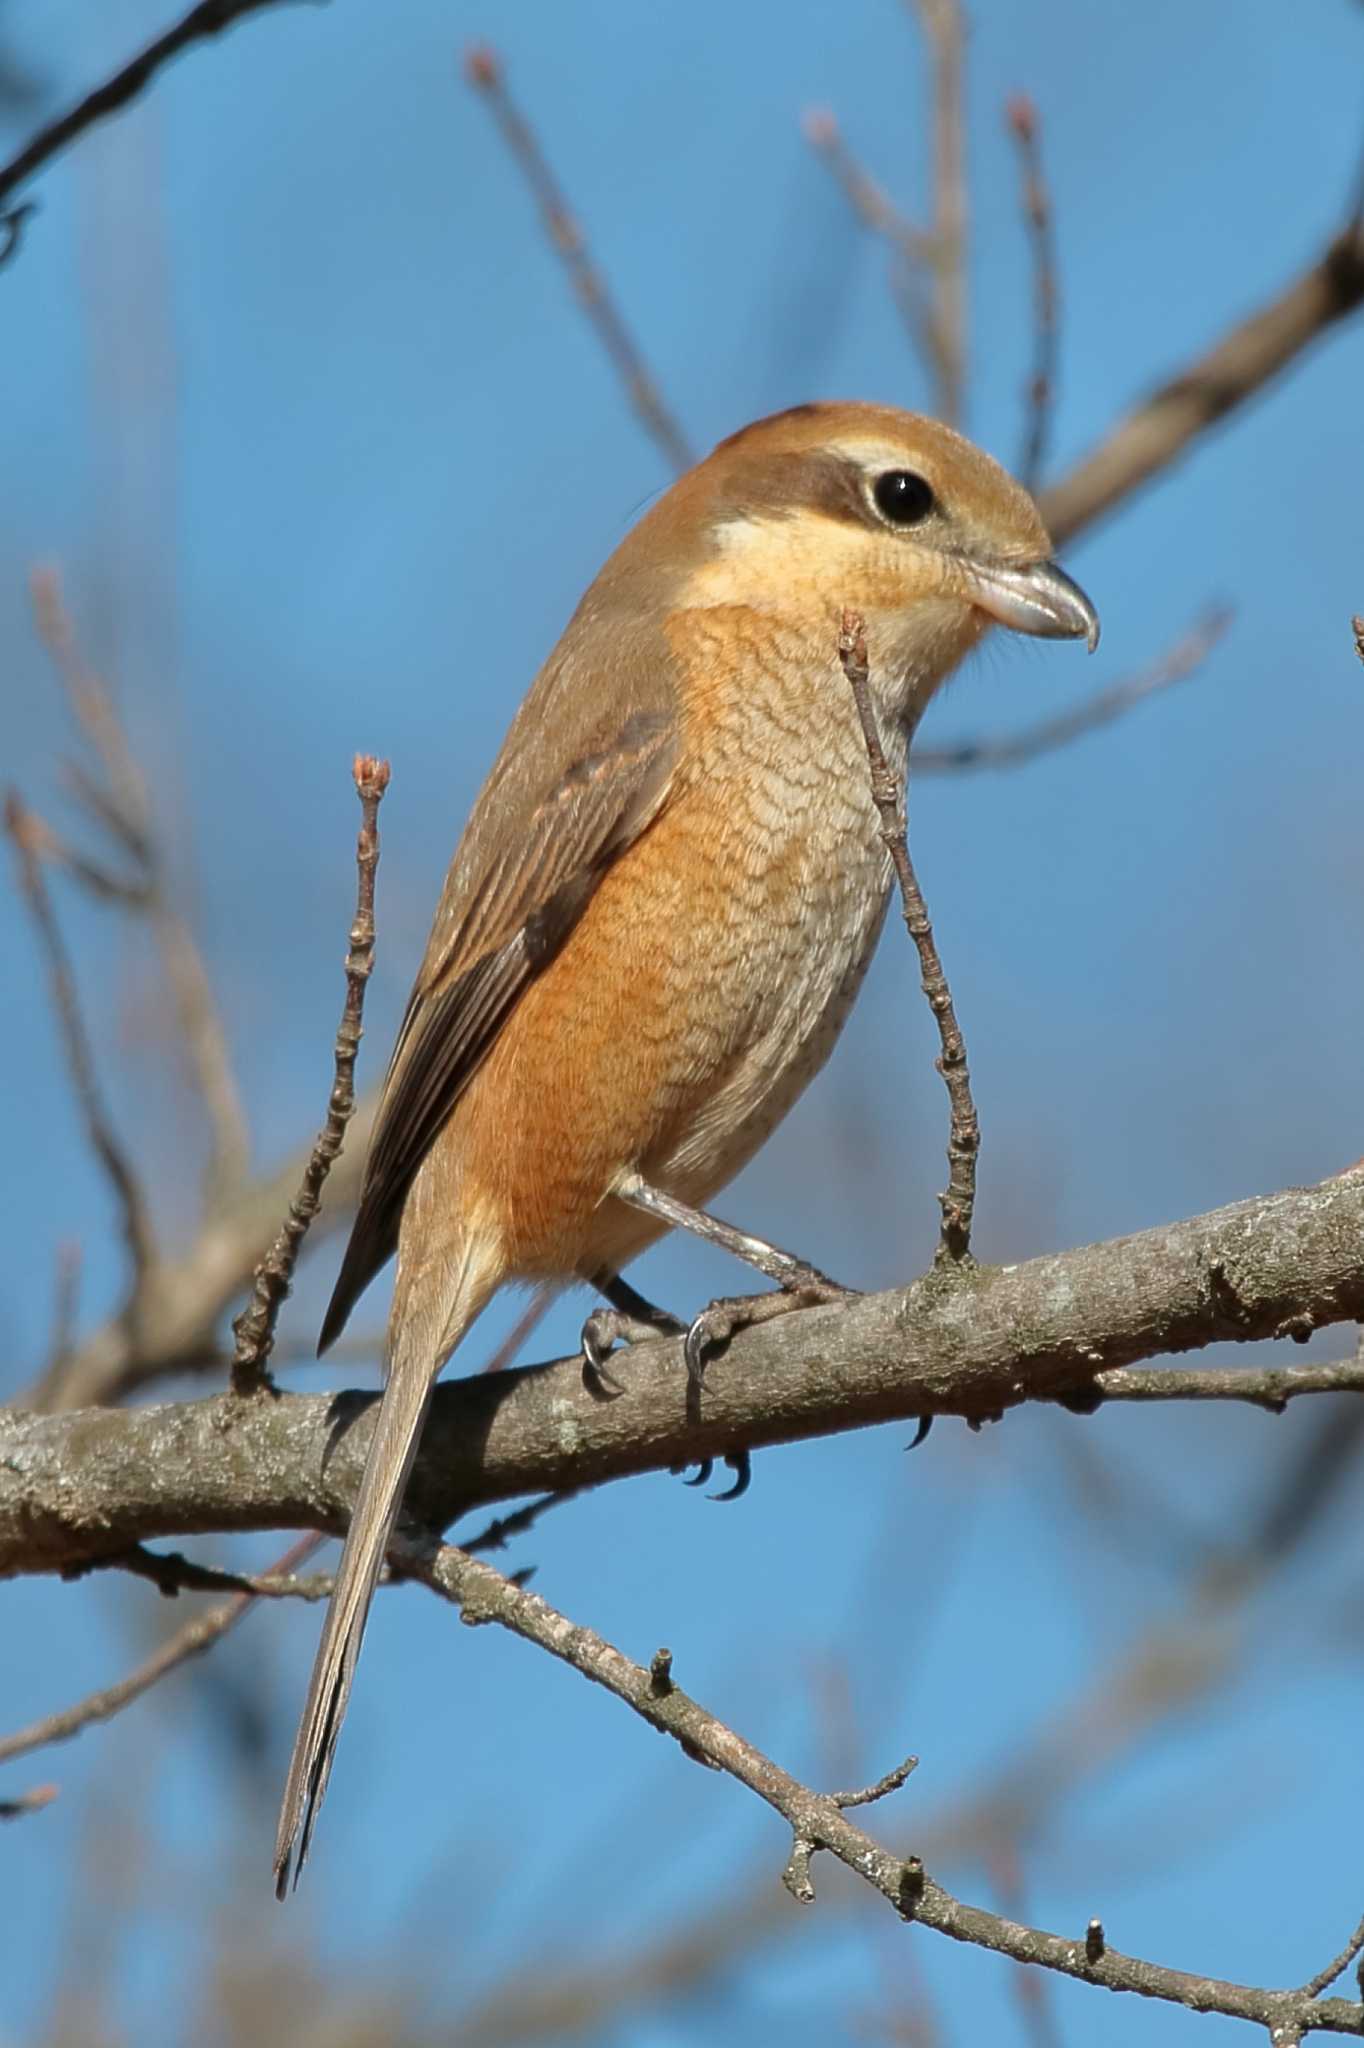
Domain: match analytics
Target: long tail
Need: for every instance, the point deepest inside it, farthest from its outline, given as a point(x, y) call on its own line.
point(416, 1358)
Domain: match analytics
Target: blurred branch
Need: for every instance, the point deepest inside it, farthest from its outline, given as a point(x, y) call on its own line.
point(1357, 627)
point(911, 249)
point(254, 1328)
point(26, 836)
point(945, 29)
point(1155, 433)
point(819, 1822)
point(1114, 702)
point(118, 801)
point(484, 69)
point(172, 1574)
point(27, 1802)
point(958, 1202)
point(1022, 123)
point(973, 1343)
point(192, 1640)
point(209, 18)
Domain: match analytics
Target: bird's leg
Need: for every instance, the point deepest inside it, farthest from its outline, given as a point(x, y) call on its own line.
point(801, 1284)
point(629, 1320)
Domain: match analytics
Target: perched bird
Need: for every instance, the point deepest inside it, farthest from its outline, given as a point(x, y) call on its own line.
point(664, 901)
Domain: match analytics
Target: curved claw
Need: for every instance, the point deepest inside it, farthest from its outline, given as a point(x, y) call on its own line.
point(694, 1349)
point(704, 1468)
point(740, 1464)
point(595, 1367)
point(925, 1424)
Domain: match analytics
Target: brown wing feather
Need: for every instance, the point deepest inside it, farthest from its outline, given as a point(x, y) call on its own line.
point(573, 786)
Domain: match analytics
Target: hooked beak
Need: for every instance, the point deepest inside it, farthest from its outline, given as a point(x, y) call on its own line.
point(1039, 598)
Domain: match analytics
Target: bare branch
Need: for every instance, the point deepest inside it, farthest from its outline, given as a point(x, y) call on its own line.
point(963, 1143)
point(137, 1231)
point(994, 1337)
point(209, 18)
point(254, 1328)
point(818, 1822)
point(484, 69)
point(1021, 120)
point(1337, 1966)
point(1103, 708)
point(1155, 433)
point(1268, 1387)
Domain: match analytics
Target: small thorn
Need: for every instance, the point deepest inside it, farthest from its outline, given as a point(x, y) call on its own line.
point(925, 1424)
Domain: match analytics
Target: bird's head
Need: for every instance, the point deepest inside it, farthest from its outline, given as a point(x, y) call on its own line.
point(885, 512)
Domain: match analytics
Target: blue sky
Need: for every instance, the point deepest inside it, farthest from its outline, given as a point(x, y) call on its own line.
point(299, 400)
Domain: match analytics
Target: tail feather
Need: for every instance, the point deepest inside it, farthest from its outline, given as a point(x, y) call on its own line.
point(391, 1454)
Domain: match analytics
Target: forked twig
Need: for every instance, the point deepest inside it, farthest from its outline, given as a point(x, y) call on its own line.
point(254, 1328)
point(27, 836)
point(963, 1143)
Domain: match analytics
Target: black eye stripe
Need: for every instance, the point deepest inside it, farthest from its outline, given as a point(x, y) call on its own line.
point(902, 497)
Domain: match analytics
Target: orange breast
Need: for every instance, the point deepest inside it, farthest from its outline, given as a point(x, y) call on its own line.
point(707, 978)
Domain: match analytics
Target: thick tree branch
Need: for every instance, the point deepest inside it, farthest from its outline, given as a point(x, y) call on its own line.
point(972, 1344)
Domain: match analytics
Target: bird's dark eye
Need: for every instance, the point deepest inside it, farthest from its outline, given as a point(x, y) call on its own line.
point(902, 497)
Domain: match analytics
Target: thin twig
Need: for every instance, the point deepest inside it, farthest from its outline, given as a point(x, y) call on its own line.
point(121, 804)
point(484, 1595)
point(945, 28)
point(254, 1328)
point(1337, 1966)
point(1103, 708)
point(209, 18)
point(964, 1140)
point(484, 69)
point(118, 1170)
point(1269, 1387)
point(195, 1637)
point(1021, 119)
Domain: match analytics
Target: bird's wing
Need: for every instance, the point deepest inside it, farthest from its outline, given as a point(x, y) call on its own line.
point(575, 784)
